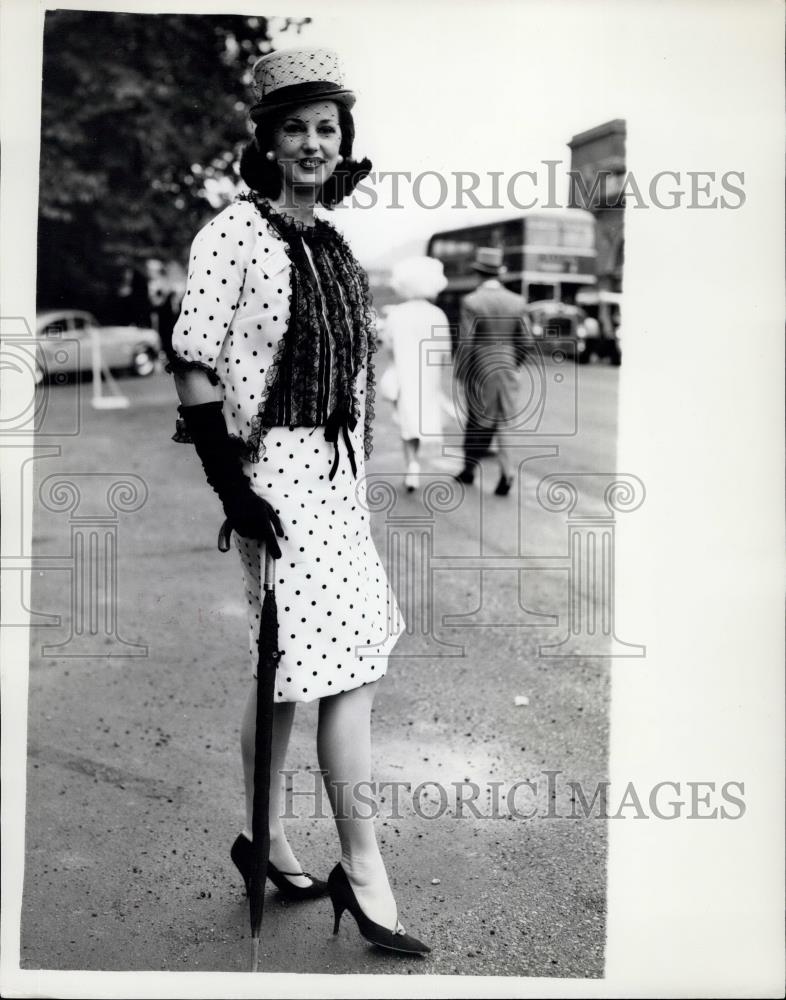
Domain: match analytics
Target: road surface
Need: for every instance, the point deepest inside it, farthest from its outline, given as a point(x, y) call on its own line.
point(134, 783)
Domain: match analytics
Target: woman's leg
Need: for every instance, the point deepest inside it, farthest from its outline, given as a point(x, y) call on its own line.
point(283, 715)
point(503, 457)
point(344, 752)
point(411, 447)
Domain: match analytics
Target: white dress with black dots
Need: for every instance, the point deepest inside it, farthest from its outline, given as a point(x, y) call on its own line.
point(338, 617)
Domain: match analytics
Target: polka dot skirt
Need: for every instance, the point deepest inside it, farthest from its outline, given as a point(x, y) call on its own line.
point(338, 618)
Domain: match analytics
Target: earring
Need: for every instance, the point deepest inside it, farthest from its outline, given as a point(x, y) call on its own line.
point(339, 158)
point(270, 155)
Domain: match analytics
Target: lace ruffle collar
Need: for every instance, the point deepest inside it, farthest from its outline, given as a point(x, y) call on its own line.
point(287, 225)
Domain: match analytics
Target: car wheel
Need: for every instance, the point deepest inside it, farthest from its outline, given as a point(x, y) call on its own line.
point(143, 360)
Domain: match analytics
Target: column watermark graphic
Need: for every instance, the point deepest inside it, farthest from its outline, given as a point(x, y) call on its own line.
point(32, 431)
point(590, 501)
point(93, 503)
point(588, 563)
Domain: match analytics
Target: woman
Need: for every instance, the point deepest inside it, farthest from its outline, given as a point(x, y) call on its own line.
point(419, 393)
point(273, 367)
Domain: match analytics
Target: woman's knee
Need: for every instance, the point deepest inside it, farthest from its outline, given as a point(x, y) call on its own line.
point(347, 705)
point(361, 695)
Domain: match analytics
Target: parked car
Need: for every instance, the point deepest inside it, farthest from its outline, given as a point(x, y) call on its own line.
point(603, 339)
point(596, 345)
point(552, 321)
point(122, 348)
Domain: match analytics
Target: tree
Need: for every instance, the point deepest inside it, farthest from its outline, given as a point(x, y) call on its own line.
point(141, 114)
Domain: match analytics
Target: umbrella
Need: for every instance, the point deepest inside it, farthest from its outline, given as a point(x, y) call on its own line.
point(268, 655)
point(260, 830)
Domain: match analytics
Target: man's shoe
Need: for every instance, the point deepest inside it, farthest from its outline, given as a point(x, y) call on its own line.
point(503, 486)
point(465, 476)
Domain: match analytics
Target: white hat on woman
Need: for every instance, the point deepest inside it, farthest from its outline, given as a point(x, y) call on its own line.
point(289, 77)
point(418, 278)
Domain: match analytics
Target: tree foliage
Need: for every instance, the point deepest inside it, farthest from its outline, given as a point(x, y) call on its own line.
point(142, 118)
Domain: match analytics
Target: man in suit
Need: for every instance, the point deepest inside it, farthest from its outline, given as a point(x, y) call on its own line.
point(491, 348)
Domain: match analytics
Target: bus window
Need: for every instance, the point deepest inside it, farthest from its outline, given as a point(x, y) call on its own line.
point(548, 255)
point(538, 292)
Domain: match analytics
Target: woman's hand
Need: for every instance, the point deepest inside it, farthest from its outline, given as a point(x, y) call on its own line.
point(253, 517)
point(248, 514)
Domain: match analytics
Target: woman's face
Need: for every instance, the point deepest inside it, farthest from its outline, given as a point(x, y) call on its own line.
point(306, 144)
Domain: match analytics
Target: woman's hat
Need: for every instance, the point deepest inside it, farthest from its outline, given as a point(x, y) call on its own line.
point(418, 278)
point(293, 76)
point(488, 260)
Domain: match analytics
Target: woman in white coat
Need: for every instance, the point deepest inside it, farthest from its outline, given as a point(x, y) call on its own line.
point(419, 395)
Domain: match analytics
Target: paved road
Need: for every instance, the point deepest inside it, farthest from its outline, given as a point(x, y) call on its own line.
point(134, 789)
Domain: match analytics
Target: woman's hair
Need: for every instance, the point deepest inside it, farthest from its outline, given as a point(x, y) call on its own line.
point(263, 175)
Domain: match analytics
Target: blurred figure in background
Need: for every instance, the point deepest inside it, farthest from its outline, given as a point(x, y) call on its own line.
point(418, 390)
point(128, 303)
point(163, 305)
point(492, 346)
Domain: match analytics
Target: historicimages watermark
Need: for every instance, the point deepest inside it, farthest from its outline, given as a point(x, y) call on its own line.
point(549, 795)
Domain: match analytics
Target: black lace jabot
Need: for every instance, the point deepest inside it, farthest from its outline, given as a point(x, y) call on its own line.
point(329, 338)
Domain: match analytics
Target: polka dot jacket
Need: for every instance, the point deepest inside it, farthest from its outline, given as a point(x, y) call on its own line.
point(235, 309)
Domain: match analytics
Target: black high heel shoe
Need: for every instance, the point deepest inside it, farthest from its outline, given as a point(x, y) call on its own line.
point(241, 854)
point(342, 895)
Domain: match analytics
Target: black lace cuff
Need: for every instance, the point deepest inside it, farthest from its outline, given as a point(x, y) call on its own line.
point(177, 366)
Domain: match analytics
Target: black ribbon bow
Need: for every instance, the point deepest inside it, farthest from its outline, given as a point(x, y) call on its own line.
point(341, 419)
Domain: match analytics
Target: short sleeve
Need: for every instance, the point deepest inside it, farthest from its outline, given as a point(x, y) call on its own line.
point(217, 267)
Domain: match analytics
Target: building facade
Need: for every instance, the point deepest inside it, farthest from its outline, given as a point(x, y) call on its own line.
point(597, 178)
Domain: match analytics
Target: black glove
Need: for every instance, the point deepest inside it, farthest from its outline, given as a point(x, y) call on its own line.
point(247, 513)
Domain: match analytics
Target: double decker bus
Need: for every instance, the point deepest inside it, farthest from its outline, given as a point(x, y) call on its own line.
point(549, 255)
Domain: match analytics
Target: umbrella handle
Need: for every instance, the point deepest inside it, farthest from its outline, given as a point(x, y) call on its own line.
point(270, 571)
point(224, 535)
